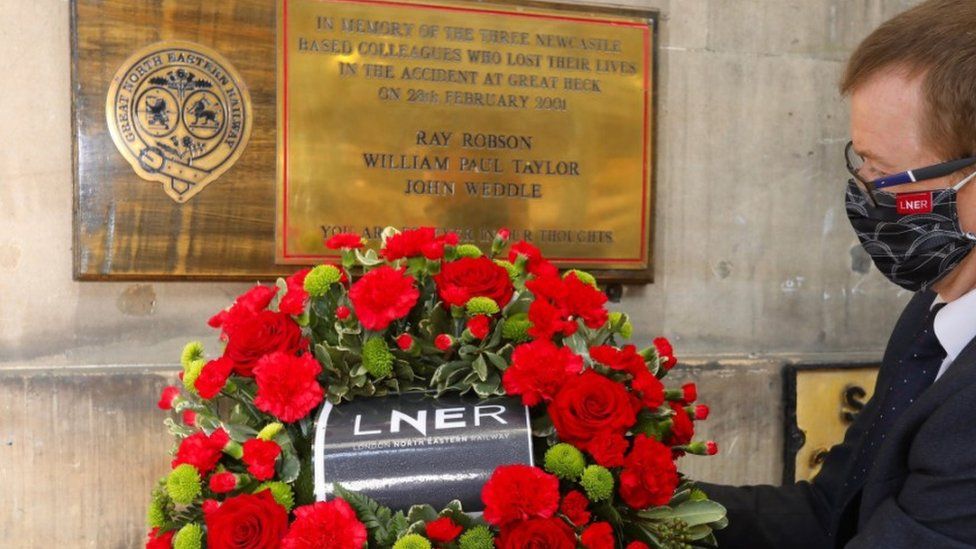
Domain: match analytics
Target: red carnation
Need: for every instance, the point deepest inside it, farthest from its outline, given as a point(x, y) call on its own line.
point(331, 524)
point(503, 234)
point(404, 342)
point(607, 448)
point(287, 385)
point(649, 387)
point(382, 296)
point(167, 396)
point(599, 535)
point(251, 521)
point(443, 342)
point(224, 482)
point(160, 541)
point(701, 412)
point(479, 325)
point(470, 277)
point(682, 428)
point(342, 312)
point(202, 451)
point(259, 335)
point(293, 302)
point(443, 530)
point(538, 371)
point(245, 306)
point(590, 404)
point(547, 320)
point(260, 456)
point(586, 302)
point(519, 492)
point(190, 418)
point(689, 393)
point(665, 352)
point(344, 240)
point(535, 263)
point(213, 377)
point(551, 533)
point(711, 447)
point(637, 545)
point(416, 242)
point(649, 477)
point(574, 506)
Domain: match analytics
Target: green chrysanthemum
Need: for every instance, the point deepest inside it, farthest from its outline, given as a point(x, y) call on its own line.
point(377, 358)
point(583, 276)
point(513, 271)
point(192, 352)
point(598, 483)
point(281, 492)
point(481, 306)
point(479, 537)
point(191, 373)
point(565, 461)
point(183, 484)
point(160, 506)
point(318, 280)
point(626, 329)
point(516, 327)
point(468, 250)
point(270, 431)
point(412, 541)
point(189, 537)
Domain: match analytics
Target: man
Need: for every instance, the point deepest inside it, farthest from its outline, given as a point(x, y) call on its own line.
point(905, 475)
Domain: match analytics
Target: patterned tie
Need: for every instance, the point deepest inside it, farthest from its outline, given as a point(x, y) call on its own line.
point(913, 374)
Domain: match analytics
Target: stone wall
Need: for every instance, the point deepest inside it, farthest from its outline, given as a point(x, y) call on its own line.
point(755, 264)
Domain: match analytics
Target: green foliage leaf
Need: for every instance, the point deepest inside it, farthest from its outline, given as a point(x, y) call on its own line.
point(699, 512)
point(383, 525)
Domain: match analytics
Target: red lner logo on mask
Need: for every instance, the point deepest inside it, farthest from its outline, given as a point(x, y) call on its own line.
point(914, 203)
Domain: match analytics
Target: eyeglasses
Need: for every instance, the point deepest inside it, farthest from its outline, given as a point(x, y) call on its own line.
point(855, 162)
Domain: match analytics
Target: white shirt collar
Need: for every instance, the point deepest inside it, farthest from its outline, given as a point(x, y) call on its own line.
point(955, 324)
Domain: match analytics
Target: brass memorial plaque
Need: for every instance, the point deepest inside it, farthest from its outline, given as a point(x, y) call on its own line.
point(467, 117)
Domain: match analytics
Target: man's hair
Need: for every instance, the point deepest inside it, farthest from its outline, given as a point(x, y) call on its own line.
point(936, 41)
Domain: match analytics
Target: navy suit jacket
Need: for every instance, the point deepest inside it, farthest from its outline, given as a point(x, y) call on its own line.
point(919, 494)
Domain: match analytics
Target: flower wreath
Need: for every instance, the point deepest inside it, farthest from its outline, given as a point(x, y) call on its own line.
point(430, 313)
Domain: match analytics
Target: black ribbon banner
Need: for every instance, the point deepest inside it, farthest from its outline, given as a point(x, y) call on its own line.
point(413, 448)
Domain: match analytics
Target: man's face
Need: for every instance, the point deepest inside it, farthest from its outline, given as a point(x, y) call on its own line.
point(887, 115)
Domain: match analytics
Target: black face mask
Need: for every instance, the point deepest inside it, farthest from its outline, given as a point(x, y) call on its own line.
point(914, 239)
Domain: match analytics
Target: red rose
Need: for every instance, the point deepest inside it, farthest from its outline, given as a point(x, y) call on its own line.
point(599, 535)
point(416, 242)
point(649, 477)
point(443, 530)
point(213, 377)
point(167, 397)
point(247, 521)
point(382, 296)
point(607, 448)
point(470, 277)
point(519, 492)
point(479, 325)
point(260, 456)
point(344, 240)
point(589, 404)
point(293, 302)
point(160, 541)
point(224, 482)
point(202, 451)
point(288, 387)
point(538, 371)
point(535, 263)
point(574, 506)
point(551, 533)
point(331, 524)
point(665, 352)
point(259, 335)
point(245, 306)
point(682, 428)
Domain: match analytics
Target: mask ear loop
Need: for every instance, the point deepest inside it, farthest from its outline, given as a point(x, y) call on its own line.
point(962, 183)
